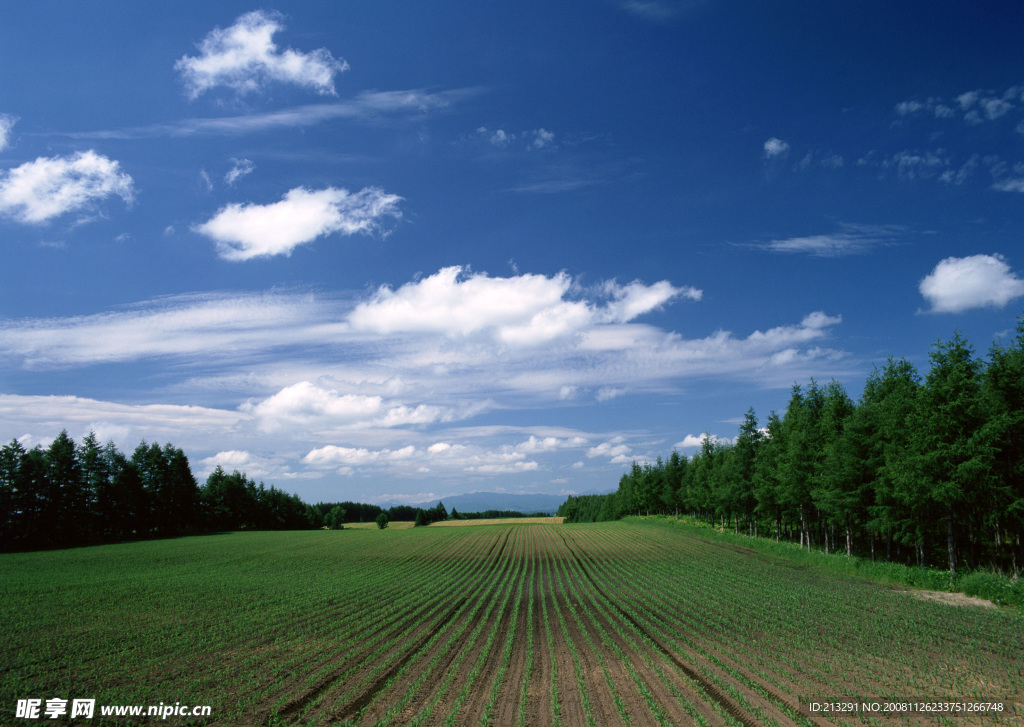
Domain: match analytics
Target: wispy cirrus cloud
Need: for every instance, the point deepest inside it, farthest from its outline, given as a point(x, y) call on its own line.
point(239, 169)
point(244, 232)
point(49, 187)
point(366, 106)
point(182, 327)
point(7, 123)
point(244, 58)
point(850, 240)
point(658, 11)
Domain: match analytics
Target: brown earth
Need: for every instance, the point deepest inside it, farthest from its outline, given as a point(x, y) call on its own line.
point(953, 599)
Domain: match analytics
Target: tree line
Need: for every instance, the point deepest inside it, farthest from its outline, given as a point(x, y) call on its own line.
point(926, 471)
point(70, 494)
point(77, 494)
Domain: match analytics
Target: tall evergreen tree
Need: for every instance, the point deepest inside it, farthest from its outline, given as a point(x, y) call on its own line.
point(767, 473)
point(1004, 388)
point(952, 451)
point(65, 506)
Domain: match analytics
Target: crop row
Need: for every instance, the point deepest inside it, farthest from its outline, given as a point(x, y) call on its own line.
point(619, 623)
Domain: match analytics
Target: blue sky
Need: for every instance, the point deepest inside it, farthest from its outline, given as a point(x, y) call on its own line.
point(404, 250)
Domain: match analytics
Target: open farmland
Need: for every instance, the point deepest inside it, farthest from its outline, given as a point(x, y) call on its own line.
point(621, 623)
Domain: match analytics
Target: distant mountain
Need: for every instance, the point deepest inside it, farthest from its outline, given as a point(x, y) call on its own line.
point(480, 501)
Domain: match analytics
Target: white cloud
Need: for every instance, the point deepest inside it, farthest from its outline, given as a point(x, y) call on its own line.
point(977, 281)
point(825, 160)
point(976, 107)
point(305, 406)
point(442, 342)
point(243, 232)
point(185, 326)
point(246, 462)
point(918, 165)
point(367, 105)
point(1009, 185)
point(968, 99)
point(7, 123)
point(239, 168)
point(244, 58)
point(775, 147)
point(522, 310)
point(615, 449)
point(607, 393)
point(192, 427)
point(443, 456)
point(995, 108)
point(854, 239)
point(542, 138)
point(906, 108)
point(437, 350)
point(49, 187)
point(550, 444)
point(635, 299)
point(501, 139)
point(691, 441)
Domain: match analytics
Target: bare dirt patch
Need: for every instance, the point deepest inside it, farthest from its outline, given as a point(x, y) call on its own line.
point(953, 599)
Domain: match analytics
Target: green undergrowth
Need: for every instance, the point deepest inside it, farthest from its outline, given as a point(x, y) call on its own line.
point(998, 588)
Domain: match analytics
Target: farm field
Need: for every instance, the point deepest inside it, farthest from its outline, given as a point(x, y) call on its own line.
point(627, 623)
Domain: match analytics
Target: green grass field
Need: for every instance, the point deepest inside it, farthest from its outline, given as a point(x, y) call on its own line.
point(634, 623)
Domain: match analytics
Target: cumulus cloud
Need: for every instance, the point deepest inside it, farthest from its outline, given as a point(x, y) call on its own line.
point(243, 461)
point(49, 187)
point(307, 406)
point(977, 281)
point(239, 168)
point(443, 456)
point(691, 441)
point(615, 449)
point(243, 232)
point(244, 58)
point(521, 310)
point(775, 148)
point(6, 125)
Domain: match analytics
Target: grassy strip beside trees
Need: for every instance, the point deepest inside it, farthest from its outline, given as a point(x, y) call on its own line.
point(924, 472)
